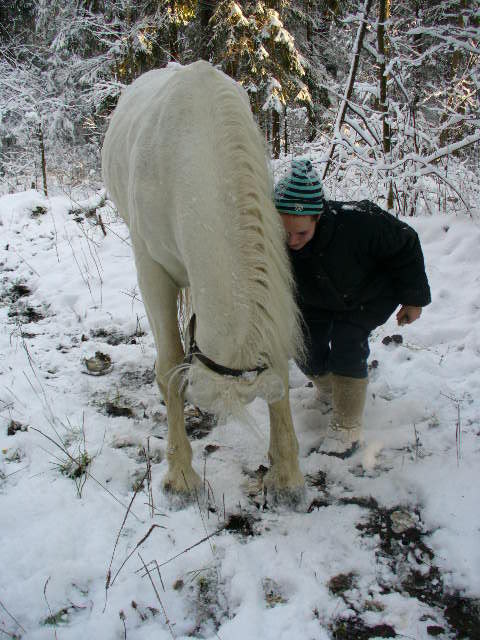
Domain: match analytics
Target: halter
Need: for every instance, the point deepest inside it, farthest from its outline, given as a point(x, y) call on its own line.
point(194, 350)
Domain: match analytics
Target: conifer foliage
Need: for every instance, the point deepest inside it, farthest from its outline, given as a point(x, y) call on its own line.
point(252, 45)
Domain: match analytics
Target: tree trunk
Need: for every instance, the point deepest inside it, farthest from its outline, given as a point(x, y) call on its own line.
point(383, 16)
point(275, 133)
point(351, 81)
point(267, 127)
point(452, 102)
point(285, 132)
point(205, 10)
point(173, 34)
point(42, 158)
point(309, 34)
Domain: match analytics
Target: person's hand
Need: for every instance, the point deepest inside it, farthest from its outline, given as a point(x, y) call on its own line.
point(408, 314)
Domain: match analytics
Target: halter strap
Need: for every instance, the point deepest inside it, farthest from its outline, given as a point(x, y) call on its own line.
point(194, 350)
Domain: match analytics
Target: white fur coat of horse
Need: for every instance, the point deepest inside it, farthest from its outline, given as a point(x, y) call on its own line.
point(186, 167)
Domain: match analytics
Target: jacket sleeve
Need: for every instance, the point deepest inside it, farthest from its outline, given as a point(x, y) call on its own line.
point(395, 249)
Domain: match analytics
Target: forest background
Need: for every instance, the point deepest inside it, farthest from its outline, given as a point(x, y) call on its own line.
point(386, 90)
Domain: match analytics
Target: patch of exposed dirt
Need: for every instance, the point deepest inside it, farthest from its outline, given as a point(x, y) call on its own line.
point(208, 604)
point(117, 410)
point(404, 549)
point(18, 290)
point(38, 211)
point(395, 339)
point(463, 615)
point(199, 424)
point(341, 583)
point(14, 427)
point(114, 337)
point(318, 480)
point(24, 314)
point(356, 629)
point(138, 378)
point(273, 593)
point(209, 449)
point(318, 503)
point(241, 523)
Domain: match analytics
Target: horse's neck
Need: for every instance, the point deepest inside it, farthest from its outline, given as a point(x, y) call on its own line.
point(220, 299)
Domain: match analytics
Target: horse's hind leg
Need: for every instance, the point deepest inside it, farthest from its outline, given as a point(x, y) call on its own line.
point(159, 294)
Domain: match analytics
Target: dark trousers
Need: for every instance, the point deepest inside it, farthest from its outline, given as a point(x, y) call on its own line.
point(336, 345)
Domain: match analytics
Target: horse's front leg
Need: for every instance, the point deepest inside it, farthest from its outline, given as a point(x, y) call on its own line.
point(284, 474)
point(159, 295)
point(181, 477)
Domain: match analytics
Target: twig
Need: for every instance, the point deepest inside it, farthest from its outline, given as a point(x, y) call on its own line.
point(137, 546)
point(12, 617)
point(458, 434)
point(109, 572)
point(159, 574)
point(417, 441)
point(7, 405)
point(48, 605)
point(13, 637)
point(82, 275)
point(121, 615)
point(28, 265)
point(211, 535)
point(102, 226)
point(458, 427)
point(17, 471)
point(167, 621)
point(197, 500)
point(149, 479)
point(49, 412)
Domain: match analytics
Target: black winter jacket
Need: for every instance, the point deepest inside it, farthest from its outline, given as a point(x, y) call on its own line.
point(361, 262)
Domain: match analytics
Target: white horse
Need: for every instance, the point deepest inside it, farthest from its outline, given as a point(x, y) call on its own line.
point(186, 167)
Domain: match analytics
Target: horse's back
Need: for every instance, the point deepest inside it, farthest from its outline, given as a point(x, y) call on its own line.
point(152, 121)
point(136, 129)
point(160, 159)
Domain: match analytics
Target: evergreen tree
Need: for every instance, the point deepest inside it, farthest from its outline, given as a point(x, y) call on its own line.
point(253, 46)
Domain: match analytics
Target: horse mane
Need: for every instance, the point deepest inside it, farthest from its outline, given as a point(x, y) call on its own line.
point(274, 320)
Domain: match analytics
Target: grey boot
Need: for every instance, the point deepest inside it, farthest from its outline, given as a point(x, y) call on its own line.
point(345, 430)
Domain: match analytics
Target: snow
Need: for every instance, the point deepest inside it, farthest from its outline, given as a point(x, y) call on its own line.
point(58, 538)
point(236, 12)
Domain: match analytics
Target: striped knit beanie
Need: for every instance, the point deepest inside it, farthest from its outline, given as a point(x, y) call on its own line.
point(300, 192)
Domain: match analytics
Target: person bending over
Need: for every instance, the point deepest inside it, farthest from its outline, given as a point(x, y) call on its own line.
point(353, 264)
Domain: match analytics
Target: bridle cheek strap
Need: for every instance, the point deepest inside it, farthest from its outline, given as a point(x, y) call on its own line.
point(194, 350)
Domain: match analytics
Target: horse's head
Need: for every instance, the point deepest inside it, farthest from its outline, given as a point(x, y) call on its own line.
point(226, 395)
point(222, 390)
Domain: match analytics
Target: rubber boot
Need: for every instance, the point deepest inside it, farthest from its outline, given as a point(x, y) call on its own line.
point(345, 431)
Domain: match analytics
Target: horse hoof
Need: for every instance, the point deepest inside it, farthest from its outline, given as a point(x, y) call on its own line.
point(182, 491)
point(179, 500)
point(290, 494)
point(293, 499)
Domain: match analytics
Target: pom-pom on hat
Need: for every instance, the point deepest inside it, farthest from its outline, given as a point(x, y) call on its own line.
point(300, 192)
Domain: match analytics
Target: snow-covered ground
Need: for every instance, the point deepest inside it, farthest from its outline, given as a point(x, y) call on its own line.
point(387, 543)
